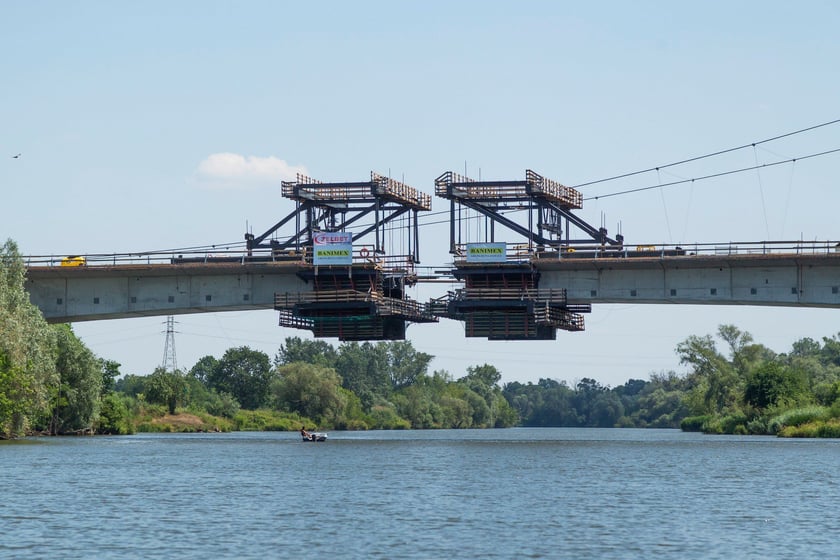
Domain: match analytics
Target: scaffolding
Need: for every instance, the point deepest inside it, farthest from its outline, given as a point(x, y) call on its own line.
point(501, 298)
point(359, 292)
point(548, 206)
point(504, 302)
point(339, 207)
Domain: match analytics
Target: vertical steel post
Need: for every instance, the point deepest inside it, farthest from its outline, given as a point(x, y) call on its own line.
point(377, 225)
point(452, 226)
point(416, 238)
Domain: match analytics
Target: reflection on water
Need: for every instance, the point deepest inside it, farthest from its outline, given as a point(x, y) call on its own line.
point(518, 493)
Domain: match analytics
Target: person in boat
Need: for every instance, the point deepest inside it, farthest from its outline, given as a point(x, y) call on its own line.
point(304, 434)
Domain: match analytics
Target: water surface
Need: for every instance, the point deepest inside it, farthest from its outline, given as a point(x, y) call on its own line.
point(517, 493)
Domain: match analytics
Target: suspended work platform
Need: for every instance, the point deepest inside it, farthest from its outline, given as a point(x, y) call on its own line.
point(502, 299)
point(357, 303)
point(358, 290)
point(504, 302)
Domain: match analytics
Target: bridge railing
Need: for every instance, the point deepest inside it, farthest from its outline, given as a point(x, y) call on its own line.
point(513, 253)
point(523, 252)
point(160, 257)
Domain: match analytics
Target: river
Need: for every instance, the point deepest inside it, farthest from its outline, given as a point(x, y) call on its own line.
point(516, 493)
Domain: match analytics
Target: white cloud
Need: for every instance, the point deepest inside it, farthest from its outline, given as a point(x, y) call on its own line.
point(234, 171)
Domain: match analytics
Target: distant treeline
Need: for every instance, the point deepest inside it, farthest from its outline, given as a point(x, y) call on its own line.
point(353, 387)
point(51, 383)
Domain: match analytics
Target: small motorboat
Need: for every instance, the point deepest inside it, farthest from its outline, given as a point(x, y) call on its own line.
point(314, 436)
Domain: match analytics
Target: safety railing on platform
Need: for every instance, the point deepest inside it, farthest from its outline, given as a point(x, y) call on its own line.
point(400, 192)
point(523, 252)
point(384, 305)
point(500, 325)
point(559, 318)
point(410, 309)
point(289, 319)
point(306, 188)
point(552, 190)
point(290, 300)
point(552, 296)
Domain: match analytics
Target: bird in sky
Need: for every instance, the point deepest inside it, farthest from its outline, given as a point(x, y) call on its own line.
point(16, 157)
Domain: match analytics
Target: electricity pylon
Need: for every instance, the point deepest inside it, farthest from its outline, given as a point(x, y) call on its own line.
point(169, 364)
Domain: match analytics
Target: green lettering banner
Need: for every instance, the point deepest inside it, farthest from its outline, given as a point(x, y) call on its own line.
point(486, 252)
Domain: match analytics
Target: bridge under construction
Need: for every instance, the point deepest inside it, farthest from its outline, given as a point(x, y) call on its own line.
point(339, 265)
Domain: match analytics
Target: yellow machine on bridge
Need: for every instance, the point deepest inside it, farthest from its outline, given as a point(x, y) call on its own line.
point(73, 260)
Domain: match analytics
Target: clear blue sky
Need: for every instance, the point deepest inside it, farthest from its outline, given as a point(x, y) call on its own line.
point(120, 112)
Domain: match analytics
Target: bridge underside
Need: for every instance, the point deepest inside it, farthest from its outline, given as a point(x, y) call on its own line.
point(73, 294)
point(355, 302)
point(528, 300)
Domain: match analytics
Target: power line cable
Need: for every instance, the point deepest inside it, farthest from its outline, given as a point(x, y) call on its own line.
point(713, 154)
point(423, 223)
point(713, 175)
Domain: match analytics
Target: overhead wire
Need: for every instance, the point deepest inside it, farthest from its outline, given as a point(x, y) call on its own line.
point(421, 219)
point(709, 155)
point(712, 175)
point(659, 185)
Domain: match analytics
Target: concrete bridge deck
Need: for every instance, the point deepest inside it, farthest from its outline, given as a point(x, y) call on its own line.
point(780, 279)
point(87, 293)
point(796, 275)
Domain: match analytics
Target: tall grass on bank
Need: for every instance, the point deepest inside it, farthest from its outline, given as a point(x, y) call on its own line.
point(270, 421)
point(827, 429)
point(797, 417)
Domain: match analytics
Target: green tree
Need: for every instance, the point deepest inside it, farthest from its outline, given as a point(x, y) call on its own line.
point(115, 415)
point(110, 373)
point(166, 387)
point(204, 369)
point(15, 396)
point(546, 403)
point(418, 404)
point(364, 371)
point(310, 390)
point(316, 352)
point(455, 412)
point(75, 407)
point(480, 411)
point(587, 392)
point(827, 394)
point(384, 417)
point(773, 384)
point(662, 402)
point(245, 374)
point(484, 375)
point(830, 353)
point(483, 381)
point(743, 353)
point(805, 347)
point(405, 364)
point(605, 410)
point(203, 399)
point(132, 385)
point(28, 376)
point(713, 380)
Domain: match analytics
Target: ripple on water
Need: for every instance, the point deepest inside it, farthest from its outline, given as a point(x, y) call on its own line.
point(552, 493)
